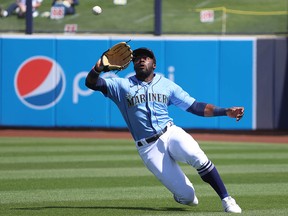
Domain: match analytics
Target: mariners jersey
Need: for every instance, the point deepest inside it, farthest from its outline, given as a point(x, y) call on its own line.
point(144, 106)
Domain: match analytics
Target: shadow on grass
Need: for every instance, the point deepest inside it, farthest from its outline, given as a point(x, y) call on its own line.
point(101, 207)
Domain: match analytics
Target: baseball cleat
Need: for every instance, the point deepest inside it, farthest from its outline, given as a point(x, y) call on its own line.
point(230, 205)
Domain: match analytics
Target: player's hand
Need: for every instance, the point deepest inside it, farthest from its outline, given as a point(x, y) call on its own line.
point(235, 112)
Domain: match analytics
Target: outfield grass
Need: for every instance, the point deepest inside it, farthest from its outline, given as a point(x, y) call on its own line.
point(49, 176)
point(178, 17)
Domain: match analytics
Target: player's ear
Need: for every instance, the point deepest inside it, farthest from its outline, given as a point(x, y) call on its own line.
point(154, 65)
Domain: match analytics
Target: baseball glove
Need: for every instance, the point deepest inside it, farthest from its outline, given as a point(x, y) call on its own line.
point(117, 57)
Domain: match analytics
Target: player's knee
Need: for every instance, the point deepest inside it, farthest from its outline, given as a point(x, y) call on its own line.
point(198, 163)
point(189, 199)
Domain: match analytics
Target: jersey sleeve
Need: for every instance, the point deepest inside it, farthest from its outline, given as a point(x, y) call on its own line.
point(113, 88)
point(180, 98)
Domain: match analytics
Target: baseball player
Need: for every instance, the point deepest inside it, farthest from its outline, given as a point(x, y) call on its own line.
point(143, 100)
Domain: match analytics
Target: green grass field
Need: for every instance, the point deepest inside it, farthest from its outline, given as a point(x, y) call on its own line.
point(178, 17)
point(49, 176)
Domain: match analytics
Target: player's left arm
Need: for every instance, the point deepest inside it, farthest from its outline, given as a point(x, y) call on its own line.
point(232, 112)
point(209, 110)
point(183, 100)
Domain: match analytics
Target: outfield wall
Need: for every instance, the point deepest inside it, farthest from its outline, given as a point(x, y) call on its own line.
point(42, 80)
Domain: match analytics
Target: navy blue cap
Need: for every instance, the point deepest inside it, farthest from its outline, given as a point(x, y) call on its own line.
point(144, 50)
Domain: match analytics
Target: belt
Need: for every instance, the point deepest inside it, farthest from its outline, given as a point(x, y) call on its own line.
point(153, 138)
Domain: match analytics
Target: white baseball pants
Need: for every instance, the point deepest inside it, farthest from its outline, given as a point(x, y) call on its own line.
point(161, 159)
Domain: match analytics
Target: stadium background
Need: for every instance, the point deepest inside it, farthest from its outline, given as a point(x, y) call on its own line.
point(260, 59)
point(96, 171)
point(180, 17)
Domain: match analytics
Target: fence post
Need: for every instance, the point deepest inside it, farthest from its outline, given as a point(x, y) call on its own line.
point(29, 17)
point(224, 20)
point(157, 17)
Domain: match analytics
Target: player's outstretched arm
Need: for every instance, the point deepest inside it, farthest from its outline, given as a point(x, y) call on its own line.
point(232, 112)
point(209, 110)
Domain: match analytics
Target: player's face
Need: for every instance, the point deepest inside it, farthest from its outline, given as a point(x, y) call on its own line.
point(144, 67)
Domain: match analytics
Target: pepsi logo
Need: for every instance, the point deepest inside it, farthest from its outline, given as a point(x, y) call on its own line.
point(39, 82)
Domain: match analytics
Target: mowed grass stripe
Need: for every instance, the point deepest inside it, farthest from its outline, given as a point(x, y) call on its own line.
point(250, 155)
point(252, 168)
point(241, 145)
point(83, 194)
point(65, 149)
point(30, 141)
point(71, 165)
point(42, 141)
point(79, 183)
point(131, 181)
point(69, 158)
point(134, 193)
point(248, 162)
point(72, 173)
point(132, 171)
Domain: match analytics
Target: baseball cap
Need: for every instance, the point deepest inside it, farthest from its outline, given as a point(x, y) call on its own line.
point(144, 50)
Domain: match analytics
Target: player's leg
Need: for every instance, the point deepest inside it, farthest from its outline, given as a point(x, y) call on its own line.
point(11, 8)
point(158, 161)
point(184, 148)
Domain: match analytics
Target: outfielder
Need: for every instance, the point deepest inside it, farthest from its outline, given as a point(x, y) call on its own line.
point(143, 100)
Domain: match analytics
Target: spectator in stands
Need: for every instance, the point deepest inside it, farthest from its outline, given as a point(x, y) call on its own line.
point(19, 8)
point(69, 5)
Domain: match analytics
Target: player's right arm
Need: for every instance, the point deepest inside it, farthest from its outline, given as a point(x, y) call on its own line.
point(93, 81)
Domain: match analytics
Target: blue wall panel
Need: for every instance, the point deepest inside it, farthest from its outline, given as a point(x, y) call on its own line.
point(79, 105)
point(211, 70)
point(195, 65)
point(236, 80)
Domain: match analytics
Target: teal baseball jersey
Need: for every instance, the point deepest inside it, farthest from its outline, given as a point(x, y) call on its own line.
point(144, 106)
